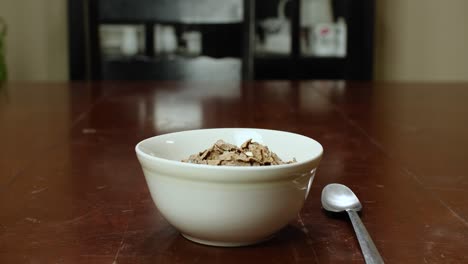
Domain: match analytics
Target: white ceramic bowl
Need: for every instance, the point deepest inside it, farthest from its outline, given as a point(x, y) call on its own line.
point(227, 205)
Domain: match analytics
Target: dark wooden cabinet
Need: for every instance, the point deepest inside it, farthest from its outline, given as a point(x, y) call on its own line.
point(229, 31)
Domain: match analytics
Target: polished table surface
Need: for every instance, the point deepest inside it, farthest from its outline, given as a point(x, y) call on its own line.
point(72, 190)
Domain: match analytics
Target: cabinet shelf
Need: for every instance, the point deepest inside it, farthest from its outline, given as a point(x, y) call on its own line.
point(187, 12)
point(174, 67)
point(300, 68)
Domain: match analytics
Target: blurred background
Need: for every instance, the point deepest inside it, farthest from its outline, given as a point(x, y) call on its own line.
point(413, 40)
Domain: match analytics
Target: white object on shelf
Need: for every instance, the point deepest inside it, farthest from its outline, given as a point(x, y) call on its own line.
point(341, 32)
point(324, 40)
point(277, 32)
point(327, 40)
point(165, 39)
point(193, 40)
point(129, 41)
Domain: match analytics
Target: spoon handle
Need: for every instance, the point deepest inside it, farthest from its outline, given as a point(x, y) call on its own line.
point(370, 252)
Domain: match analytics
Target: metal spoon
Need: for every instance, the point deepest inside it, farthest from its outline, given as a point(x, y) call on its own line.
point(338, 198)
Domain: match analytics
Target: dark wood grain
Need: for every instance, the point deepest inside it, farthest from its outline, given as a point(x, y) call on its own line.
point(72, 191)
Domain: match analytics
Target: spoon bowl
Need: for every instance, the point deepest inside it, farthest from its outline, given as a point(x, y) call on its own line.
point(338, 198)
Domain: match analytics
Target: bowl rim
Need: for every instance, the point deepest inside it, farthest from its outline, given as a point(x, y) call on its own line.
point(316, 157)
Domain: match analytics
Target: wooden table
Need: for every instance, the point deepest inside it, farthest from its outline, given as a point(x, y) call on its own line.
point(72, 191)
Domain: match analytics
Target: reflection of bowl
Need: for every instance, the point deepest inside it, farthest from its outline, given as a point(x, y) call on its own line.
point(222, 205)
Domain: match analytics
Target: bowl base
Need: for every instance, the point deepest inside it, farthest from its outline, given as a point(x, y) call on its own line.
point(224, 244)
